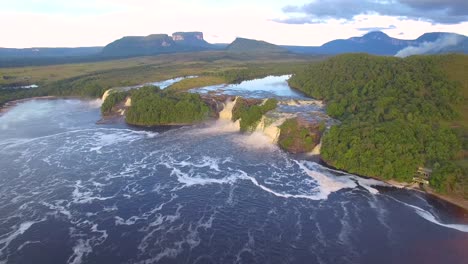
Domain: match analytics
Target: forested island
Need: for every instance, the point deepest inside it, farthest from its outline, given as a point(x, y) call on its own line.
point(152, 106)
point(396, 115)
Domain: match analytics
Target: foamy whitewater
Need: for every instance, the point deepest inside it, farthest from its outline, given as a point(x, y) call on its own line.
point(72, 191)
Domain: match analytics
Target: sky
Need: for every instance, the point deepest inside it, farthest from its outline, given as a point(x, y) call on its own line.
point(80, 23)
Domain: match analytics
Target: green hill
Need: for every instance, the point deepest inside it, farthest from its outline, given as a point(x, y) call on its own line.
point(242, 45)
point(397, 115)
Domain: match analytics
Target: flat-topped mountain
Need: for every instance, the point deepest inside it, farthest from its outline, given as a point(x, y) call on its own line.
point(156, 44)
point(190, 39)
point(243, 45)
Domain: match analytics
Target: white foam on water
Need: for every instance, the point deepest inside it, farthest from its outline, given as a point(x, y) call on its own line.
point(6, 239)
point(103, 233)
point(85, 242)
point(248, 247)
point(212, 163)
point(81, 249)
point(368, 183)
point(196, 179)
point(94, 103)
point(83, 195)
point(346, 230)
point(328, 183)
point(146, 215)
point(432, 218)
point(100, 138)
point(255, 140)
point(219, 127)
point(189, 180)
point(58, 208)
point(25, 244)
point(381, 214)
point(315, 197)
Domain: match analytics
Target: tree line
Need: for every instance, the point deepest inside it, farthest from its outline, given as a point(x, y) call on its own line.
point(395, 115)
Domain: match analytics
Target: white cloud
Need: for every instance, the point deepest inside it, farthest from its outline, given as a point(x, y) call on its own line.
point(431, 47)
point(144, 17)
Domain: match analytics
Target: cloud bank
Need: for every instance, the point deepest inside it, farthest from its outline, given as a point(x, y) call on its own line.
point(370, 29)
point(435, 11)
point(431, 47)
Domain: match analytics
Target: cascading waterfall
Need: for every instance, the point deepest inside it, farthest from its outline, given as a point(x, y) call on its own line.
point(226, 113)
point(105, 95)
point(316, 150)
point(128, 102)
point(270, 128)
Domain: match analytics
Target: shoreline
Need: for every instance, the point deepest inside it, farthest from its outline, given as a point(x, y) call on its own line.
point(10, 104)
point(457, 202)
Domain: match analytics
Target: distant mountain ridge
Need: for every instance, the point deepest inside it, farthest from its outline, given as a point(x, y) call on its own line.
point(243, 45)
point(379, 43)
point(156, 44)
point(376, 43)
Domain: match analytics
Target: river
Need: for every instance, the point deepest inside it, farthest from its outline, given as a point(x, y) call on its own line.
point(73, 191)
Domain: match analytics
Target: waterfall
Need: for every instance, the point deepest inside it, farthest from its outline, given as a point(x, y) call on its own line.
point(105, 95)
point(270, 128)
point(128, 102)
point(316, 150)
point(226, 113)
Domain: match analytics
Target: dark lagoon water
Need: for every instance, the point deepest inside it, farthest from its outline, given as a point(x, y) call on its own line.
point(72, 191)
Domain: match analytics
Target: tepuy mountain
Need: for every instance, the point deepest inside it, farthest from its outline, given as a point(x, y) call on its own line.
point(379, 43)
point(156, 44)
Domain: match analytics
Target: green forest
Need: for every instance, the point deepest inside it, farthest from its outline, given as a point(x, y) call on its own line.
point(112, 99)
point(396, 115)
point(152, 106)
point(250, 115)
point(297, 138)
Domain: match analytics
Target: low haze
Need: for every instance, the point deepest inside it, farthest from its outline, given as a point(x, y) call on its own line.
point(73, 23)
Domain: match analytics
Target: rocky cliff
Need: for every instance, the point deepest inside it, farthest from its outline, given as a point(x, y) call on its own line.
point(190, 39)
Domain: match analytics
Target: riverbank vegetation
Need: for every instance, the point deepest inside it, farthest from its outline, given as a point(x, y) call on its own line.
point(250, 113)
point(152, 106)
point(112, 100)
point(299, 138)
point(201, 81)
point(397, 115)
